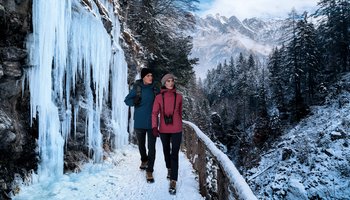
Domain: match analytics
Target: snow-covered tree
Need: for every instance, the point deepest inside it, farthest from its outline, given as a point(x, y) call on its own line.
point(158, 25)
point(334, 34)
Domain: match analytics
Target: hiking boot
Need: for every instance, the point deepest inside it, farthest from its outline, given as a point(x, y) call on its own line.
point(172, 187)
point(149, 177)
point(169, 173)
point(143, 165)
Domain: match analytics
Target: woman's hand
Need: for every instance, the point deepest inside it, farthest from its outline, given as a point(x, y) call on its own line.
point(155, 132)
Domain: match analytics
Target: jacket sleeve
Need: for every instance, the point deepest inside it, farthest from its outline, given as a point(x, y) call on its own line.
point(155, 112)
point(129, 99)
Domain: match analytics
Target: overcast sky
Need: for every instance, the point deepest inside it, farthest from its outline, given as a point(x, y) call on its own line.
point(255, 8)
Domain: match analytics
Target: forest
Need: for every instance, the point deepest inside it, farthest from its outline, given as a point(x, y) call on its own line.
point(256, 102)
point(245, 104)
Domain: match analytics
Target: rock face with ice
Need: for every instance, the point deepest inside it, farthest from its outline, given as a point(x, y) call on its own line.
point(17, 140)
point(62, 79)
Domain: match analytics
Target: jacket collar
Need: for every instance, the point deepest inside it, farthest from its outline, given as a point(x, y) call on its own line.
point(164, 90)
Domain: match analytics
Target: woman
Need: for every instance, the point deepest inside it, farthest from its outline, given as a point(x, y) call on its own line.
point(169, 105)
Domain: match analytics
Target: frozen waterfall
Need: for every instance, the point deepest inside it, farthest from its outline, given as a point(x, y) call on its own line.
point(70, 43)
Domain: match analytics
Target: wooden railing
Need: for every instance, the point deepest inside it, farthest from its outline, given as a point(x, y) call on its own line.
point(218, 177)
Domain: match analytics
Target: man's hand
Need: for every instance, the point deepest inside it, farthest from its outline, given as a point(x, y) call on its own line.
point(137, 101)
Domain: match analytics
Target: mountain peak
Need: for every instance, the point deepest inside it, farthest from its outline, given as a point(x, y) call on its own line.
point(218, 38)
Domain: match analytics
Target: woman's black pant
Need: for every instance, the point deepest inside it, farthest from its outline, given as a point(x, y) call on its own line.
point(171, 145)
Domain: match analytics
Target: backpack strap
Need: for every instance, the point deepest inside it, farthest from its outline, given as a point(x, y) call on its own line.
point(138, 88)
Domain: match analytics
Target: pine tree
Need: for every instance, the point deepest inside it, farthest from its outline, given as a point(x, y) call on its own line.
point(231, 78)
point(252, 90)
point(242, 90)
point(275, 80)
point(309, 56)
point(158, 25)
point(334, 34)
point(262, 129)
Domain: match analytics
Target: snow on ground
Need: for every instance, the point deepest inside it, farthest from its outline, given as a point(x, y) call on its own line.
point(311, 160)
point(118, 177)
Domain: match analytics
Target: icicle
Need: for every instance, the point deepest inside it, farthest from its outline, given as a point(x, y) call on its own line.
point(119, 91)
point(43, 46)
point(96, 55)
point(70, 42)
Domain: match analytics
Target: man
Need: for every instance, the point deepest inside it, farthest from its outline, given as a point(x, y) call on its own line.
point(141, 97)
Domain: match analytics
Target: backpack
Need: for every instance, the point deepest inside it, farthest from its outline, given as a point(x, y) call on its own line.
point(138, 89)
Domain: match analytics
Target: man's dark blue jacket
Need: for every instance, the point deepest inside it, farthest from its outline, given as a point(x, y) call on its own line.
point(142, 112)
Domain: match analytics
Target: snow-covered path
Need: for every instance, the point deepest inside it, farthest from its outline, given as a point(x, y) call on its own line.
point(119, 177)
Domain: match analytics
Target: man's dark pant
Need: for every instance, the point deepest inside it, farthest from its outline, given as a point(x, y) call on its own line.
point(151, 144)
point(171, 153)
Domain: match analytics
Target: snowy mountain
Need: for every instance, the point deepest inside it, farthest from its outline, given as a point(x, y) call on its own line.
point(217, 38)
point(311, 160)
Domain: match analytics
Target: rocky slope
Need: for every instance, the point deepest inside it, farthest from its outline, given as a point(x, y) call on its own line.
point(310, 160)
